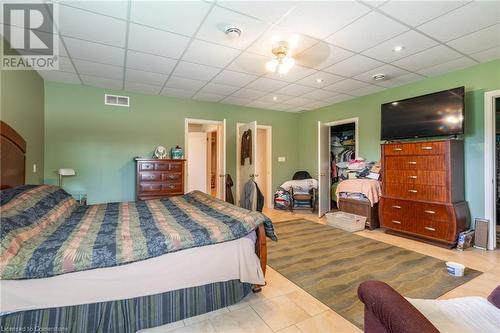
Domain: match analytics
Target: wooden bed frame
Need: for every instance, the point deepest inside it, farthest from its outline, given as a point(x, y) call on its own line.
point(13, 170)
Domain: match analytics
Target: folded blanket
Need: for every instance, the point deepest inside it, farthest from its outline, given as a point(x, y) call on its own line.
point(300, 186)
point(372, 189)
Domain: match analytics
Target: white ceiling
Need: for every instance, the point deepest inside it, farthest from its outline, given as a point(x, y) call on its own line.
point(179, 48)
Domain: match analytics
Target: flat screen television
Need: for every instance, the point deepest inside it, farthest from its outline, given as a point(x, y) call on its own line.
point(437, 114)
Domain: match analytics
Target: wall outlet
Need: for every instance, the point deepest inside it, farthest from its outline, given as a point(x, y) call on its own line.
point(34, 168)
point(282, 159)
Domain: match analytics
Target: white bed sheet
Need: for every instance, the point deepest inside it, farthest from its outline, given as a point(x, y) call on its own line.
point(188, 268)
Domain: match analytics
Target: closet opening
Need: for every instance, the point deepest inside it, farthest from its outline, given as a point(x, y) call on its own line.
point(205, 156)
point(497, 169)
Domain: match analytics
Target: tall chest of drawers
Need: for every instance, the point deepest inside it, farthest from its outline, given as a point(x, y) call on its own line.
point(159, 178)
point(423, 190)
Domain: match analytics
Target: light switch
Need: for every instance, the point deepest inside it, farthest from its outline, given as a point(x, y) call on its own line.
point(34, 168)
point(281, 159)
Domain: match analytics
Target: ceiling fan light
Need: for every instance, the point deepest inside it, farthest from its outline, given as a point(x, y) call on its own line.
point(272, 65)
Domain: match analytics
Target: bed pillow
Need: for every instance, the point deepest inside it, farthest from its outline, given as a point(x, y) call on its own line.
point(31, 206)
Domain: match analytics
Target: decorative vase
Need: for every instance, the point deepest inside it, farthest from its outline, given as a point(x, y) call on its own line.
point(176, 153)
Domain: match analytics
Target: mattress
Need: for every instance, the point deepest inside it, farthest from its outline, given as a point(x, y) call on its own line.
point(233, 260)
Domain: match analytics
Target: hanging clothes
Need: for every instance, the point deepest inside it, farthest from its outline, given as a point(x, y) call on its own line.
point(229, 191)
point(252, 197)
point(246, 146)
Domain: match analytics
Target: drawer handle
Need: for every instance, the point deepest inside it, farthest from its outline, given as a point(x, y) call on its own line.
point(429, 228)
point(412, 162)
point(412, 191)
point(427, 148)
point(412, 177)
point(171, 186)
point(398, 149)
point(396, 222)
point(397, 207)
point(172, 177)
point(429, 212)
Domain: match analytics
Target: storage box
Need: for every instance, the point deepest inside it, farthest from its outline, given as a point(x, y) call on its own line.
point(346, 221)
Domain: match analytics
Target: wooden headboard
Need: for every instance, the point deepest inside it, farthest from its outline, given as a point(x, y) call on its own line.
point(12, 157)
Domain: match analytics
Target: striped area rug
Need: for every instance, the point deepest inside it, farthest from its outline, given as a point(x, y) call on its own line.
point(330, 263)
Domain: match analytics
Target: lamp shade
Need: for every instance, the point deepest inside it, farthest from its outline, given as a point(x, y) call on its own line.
point(66, 172)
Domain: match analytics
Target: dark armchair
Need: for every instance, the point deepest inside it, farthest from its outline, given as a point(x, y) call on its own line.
point(302, 200)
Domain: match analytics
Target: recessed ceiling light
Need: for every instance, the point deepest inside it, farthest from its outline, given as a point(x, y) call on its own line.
point(319, 80)
point(233, 32)
point(275, 98)
point(398, 48)
point(378, 77)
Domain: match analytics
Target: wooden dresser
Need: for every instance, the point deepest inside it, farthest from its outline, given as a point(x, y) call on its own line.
point(423, 190)
point(159, 178)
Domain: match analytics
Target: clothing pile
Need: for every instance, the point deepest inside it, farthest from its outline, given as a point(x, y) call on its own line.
point(283, 196)
point(359, 167)
point(282, 199)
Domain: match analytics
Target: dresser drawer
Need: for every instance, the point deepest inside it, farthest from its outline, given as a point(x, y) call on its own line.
point(169, 166)
point(399, 149)
point(430, 212)
point(171, 188)
point(171, 176)
point(416, 177)
point(434, 229)
point(399, 220)
point(146, 166)
point(416, 192)
point(150, 176)
point(425, 163)
point(150, 187)
point(430, 148)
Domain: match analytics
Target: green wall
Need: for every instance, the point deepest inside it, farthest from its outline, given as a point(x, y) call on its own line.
point(100, 141)
point(22, 108)
point(476, 79)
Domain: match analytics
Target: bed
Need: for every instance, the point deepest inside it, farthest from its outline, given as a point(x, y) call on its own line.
point(118, 267)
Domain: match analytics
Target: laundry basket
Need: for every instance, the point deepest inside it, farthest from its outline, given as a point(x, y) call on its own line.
point(346, 221)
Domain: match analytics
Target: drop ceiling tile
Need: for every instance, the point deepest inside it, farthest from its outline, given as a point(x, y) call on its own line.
point(210, 54)
point(353, 66)
point(296, 73)
point(259, 104)
point(319, 21)
point(464, 20)
point(269, 11)
point(326, 79)
point(236, 100)
point(220, 89)
point(195, 71)
point(346, 86)
point(65, 65)
point(281, 107)
point(366, 32)
point(219, 19)
point(95, 52)
point(388, 70)
point(340, 98)
point(412, 41)
point(149, 62)
point(447, 66)
point(401, 80)
point(417, 12)
point(478, 41)
point(371, 89)
point(265, 84)
point(298, 101)
point(322, 55)
point(60, 76)
point(154, 79)
point(181, 17)
point(75, 23)
point(428, 58)
point(208, 97)
point(100, 82)
point(181, 83)
point(249, 93)
point(180, 93)
point(100, 70)
point(148, 40)
point(320, 95)
point(275, 98)
point(116, 9)
point(294, 90)
point(232, 78)
point(296, 42)
point(316, 105)
point(142, 87)
point(249, 63)
point(487, 55)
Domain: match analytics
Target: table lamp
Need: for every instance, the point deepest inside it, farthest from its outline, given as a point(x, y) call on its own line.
point(63, 173)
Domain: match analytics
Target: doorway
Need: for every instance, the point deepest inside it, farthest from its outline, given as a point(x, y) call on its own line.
point(338, 142)
point(261, 168)
point(205, 151)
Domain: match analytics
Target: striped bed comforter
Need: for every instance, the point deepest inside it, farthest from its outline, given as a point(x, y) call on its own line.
point(45, 233)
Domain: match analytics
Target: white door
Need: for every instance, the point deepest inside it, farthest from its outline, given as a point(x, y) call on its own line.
point(247, 169)
point(323, 169)
point(221, 161)
point(197, 161)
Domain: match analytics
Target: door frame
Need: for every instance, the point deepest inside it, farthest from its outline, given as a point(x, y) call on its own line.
point(269, 161)
point(188, 121)
point(489, 164)
point(354, 120)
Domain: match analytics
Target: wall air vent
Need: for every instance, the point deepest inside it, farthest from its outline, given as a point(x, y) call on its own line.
point(116, 100)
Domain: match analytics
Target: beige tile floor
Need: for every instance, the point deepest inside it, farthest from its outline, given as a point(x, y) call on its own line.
point(285, 308)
